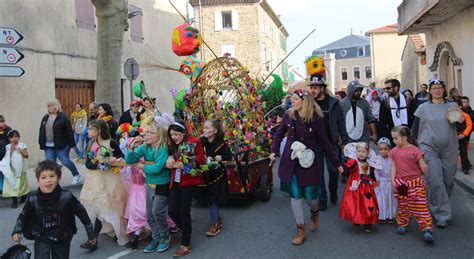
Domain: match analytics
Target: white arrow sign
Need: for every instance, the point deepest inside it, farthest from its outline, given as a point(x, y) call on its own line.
point(9, 36)
point(11, 71)
point(10, 56)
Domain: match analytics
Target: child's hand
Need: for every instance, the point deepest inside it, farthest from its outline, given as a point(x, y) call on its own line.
point(218, 158)
point(424, 169)
point(169, 162)
point(17, 237)
point(178, 165)
point(140, 166)
point(461, 136)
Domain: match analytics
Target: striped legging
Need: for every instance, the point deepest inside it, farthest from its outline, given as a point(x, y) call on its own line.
point(413, 203)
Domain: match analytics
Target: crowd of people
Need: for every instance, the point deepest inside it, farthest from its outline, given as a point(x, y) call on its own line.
point(145, 169)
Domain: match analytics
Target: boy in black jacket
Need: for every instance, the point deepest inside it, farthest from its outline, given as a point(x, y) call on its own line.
point(49, 215)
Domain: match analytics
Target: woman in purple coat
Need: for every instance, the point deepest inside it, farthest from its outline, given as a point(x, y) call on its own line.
point(303, 123)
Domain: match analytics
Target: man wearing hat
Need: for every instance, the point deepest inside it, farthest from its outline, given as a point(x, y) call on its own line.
point(133, 114)
point(335, 128)
point(357, 114)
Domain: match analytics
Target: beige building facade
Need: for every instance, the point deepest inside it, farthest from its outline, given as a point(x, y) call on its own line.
point(60, 44)
point(248, 30)
point(386, 51)
point(414, 62)
point(448, 26)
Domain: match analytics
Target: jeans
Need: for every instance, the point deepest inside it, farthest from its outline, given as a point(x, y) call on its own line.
point(156, 206)
point(52, 154)
point(180, 209)
point(333, 173)
point(46, 250)
point(214, 211)
point(79, 148)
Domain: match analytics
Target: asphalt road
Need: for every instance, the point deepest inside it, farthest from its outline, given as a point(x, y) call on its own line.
point(253, 229)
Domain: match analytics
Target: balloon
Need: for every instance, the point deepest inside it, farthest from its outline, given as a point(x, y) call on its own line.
point(138, 89)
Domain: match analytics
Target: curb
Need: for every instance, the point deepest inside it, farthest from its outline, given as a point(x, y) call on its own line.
point(462, 181)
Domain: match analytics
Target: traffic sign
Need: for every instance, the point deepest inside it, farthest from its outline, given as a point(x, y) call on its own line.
point(130, 69)
point(11, 71)
point(10, 56)
point(9, 36)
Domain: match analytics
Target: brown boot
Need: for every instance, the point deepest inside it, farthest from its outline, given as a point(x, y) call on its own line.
point(300, 235)
point(314, 224)
point(182, 251)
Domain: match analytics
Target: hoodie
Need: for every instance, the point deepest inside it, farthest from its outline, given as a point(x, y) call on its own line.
point(356, 116)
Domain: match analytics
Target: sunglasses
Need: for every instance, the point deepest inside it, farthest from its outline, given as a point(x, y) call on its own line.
point(388, 88)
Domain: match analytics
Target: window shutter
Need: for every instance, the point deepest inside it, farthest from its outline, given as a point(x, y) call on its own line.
point(85, 18)
point(217, 21)
point(235, 20)
point(136, 30)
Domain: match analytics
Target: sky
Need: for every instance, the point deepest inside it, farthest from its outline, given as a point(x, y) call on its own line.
point(333, 19)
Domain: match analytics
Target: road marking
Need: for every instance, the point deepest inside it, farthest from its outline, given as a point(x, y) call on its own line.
point(118, 255)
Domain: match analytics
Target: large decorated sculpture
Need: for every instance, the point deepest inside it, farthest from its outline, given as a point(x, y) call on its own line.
point(315, 65)
point(191, 67)
point(186, 40)
point(225, 91)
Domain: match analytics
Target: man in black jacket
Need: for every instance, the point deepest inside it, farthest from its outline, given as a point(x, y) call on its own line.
point(132, 115)
point(396, 109)
point(334, 125)
point(48, 216)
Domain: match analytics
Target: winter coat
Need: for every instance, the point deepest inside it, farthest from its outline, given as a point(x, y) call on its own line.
point(155, 173)
point(310, 134)
point(52, 216)
point(196, 157)
point(337, 123)
point(62, 132)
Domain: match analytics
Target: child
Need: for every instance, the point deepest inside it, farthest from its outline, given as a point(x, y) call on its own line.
point(49, 215)
point(385, 199)
point(186, 156)
point(18, 153)
point(359, 204)
point(103, 193)
point(215, 177)
point(408, 166)
point(155, 153)
point(134, 181)
point(464, 130)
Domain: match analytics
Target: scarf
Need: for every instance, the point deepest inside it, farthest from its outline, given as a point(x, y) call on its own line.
point(105, 118)
point(399, 114)
point(80, 114)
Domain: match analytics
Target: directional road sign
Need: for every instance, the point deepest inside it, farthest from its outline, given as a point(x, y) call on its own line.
point(10, 56)
point(9, 36)
point(11, 71)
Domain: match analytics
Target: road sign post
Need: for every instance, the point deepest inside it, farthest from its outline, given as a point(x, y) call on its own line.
point(131, 71)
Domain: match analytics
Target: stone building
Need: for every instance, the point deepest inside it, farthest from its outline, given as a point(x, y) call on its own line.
point(60, 46)
point(385, 53)
point(346, 59)
point(414, 62)
point(448, 26)
point(248, 30)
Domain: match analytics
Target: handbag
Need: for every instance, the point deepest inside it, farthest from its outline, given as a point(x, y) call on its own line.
point(305, 155)
point(17, 251)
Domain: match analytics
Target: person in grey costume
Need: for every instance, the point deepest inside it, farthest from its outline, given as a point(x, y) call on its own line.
point(357, 113)
point(437, 138)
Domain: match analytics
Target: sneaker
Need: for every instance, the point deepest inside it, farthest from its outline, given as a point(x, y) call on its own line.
point(220, 223)
point(382, 221)
point(367, 228)
point(441, 224)
point(428, 236)
point(401, 230)
point(182, 251)
point(152, 246)
point(76, 179)
point(164, 244)
point(390, 221)
point(213, 230)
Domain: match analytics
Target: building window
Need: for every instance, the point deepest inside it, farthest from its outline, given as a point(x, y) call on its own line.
point(356, 73)
point(228, 50)
point(360, 51)
point(226, 20)
point(368, 72)
point(344, 73)
point(85, 17)
point(136, 30)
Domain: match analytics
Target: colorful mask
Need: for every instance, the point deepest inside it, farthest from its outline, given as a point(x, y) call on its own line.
point(191, 67)
point(186, 40)
point(315, 65)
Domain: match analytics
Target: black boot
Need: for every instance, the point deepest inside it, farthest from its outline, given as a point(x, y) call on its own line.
point(90, 246)
point(14, 202)
point(133, 243)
